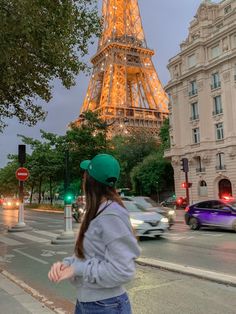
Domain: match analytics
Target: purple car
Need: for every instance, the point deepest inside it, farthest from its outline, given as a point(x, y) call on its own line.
point(215, 213)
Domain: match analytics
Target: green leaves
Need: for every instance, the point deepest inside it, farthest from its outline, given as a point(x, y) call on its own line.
point(39, 41)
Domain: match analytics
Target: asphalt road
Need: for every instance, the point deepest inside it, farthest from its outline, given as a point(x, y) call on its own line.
point(28, 256)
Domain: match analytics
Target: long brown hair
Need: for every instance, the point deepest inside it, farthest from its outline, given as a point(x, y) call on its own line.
point(95, 192)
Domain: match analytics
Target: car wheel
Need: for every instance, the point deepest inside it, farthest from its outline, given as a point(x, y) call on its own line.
point(234, 226)
point(194, 224)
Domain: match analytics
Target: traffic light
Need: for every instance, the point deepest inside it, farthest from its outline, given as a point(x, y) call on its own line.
point(184, 164)
point(186, 185)
point(69, 197)
point(21, 154)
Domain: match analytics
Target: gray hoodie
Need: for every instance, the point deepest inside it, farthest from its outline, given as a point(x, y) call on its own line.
point(110, 249)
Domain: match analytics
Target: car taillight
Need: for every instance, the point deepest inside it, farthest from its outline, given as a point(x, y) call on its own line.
point(187, 208)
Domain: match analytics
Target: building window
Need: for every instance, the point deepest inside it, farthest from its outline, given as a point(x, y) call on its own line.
point(220, 161)
point(227, 9)
point(200, 167)
point(235, 72)
point(192, 60)
point(215, 81)
point(203, 188)
point(219, 131)
point(215, 51)
point(196, 136)
point(193, 88)
point(217, 105)
point(194, 111)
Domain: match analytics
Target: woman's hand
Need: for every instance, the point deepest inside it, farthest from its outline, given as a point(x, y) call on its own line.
point(60, 271)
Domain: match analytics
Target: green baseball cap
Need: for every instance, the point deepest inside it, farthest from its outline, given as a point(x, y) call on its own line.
point(104, 168)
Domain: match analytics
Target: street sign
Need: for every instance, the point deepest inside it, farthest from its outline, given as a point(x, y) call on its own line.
point(22, 174)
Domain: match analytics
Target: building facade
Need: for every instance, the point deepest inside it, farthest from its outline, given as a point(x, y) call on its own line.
point(202, 92)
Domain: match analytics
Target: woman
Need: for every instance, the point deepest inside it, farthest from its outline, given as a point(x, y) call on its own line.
point(106, 247)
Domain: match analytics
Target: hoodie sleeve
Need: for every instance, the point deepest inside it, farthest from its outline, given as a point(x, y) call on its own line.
point(121, 250)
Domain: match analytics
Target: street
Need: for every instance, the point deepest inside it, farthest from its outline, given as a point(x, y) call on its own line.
point(28, 256)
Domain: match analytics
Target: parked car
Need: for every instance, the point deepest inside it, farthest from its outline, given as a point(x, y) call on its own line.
point(10, 203)
point(212, 213)
point(146, 223)
point(150, 205)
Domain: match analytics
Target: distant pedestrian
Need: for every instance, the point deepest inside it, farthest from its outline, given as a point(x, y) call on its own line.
point(106, 247)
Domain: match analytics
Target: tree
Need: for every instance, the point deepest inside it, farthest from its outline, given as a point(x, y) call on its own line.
point(8, 181)
point(39, 41)
point(165, 135)
point(130, 151)
point(152, 175)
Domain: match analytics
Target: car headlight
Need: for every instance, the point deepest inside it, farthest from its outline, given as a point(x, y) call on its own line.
point(17, 203)
point(171, 212)
point(136, 222)
point(9, 203)
point(164, 219)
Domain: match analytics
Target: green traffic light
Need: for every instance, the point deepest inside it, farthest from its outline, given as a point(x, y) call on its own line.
point(68, 198)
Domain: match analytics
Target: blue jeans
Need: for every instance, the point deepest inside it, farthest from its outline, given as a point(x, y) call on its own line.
point(116, 305)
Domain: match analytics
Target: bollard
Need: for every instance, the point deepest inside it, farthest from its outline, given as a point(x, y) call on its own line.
point(67, 236)
point(21, 225)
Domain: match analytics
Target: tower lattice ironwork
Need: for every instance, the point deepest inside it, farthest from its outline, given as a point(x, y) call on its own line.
point(124, 86)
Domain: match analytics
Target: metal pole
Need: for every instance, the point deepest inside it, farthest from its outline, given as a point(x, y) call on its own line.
point(187, 188)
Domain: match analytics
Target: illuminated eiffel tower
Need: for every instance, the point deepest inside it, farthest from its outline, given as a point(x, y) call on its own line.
point(124, 86)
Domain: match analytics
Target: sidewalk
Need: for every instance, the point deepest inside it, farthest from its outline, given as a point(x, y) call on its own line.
point(180, 216)
point(14, 300)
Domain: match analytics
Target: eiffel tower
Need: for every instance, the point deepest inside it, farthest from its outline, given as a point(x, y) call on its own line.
point(124, 87)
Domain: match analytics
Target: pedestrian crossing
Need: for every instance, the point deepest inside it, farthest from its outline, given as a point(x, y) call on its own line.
point(36, 236)
point(45, 237)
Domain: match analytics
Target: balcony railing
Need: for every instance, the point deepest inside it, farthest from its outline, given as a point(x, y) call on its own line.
point(219, 111)
point(199, 170)
point(192, 92)
point(195, 117)
point(221, 167)
point(215, 85)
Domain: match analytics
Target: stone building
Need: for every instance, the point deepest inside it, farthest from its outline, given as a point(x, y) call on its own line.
point(202, 92)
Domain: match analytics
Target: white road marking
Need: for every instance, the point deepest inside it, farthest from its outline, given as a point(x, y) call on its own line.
point(30, 256)
point(9, 241)
point(213, 234)
point(47, 233)
point(31, 237)
point(6, 258)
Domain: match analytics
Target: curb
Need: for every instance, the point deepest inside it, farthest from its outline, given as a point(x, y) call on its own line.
point(201, 273)
point(27, 290)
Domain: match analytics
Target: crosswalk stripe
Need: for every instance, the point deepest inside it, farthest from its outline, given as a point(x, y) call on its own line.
point(47, 233)
point(31, 237)
point(9, 241)
point(30, 256)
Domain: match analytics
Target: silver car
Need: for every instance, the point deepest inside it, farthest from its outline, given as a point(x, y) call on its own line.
point(146, 223)
point(148, 204)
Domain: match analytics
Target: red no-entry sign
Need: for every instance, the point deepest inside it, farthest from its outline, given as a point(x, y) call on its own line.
point(22, 174)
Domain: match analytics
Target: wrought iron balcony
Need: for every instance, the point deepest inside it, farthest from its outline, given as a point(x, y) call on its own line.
point(216, 112)
point(192, 92)
point(194, 117)
point(199, 170)
point(221, 167)
point(216, 85)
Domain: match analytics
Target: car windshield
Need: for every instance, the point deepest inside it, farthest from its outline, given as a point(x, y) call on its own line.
point(133, 207)
point(145, 201)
